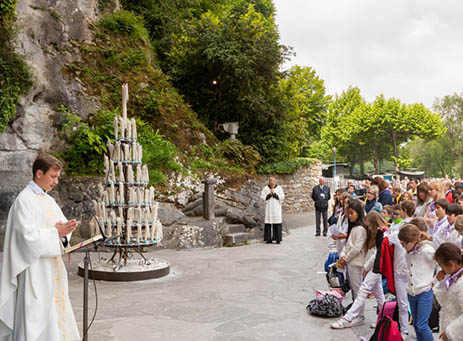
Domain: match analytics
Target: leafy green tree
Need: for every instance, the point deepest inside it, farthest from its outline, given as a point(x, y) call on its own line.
point(306, 104)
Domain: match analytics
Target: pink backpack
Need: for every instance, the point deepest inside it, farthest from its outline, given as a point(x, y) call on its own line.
point(386, 330)
point(390, 309)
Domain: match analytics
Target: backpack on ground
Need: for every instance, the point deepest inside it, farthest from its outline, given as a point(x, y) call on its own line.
point(390, 309)
point(325, 306)
point(386, 330)
point(433, 321)
point(332, 258)
point(337, 279)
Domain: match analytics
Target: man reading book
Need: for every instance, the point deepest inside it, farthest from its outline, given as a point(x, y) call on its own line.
point(34, 299)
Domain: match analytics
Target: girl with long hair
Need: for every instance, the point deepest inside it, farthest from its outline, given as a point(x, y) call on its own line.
point(374, 225)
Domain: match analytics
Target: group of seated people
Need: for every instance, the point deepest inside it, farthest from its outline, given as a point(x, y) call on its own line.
point(419, 230)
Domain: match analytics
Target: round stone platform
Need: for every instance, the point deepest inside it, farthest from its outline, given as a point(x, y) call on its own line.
point(136, 269)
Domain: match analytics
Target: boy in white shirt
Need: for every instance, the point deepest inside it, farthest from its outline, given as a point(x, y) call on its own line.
point(440, 231)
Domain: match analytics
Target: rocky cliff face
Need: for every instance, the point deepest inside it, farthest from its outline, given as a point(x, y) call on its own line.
point(47, 29)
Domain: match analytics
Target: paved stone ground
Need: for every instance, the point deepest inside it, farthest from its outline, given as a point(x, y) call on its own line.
point(253, 292)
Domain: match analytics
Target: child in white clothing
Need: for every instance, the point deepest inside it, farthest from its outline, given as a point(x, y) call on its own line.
point(420, 262)
point(449, 291)
point(441, 225)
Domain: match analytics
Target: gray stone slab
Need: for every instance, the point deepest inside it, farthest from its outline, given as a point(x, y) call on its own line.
point(235, 238)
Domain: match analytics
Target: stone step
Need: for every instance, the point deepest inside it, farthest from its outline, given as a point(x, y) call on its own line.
point(233, 228)
point(236, 238)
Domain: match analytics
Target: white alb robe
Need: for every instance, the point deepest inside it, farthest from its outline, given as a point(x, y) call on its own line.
point(34, 300)
point(273, 206)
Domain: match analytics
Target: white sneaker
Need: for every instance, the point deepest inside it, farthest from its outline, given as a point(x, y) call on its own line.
point(343, 323)
point(404, 336)
point(373, 325)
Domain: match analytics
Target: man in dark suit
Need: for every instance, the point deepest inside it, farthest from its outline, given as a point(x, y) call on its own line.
point(321, 195)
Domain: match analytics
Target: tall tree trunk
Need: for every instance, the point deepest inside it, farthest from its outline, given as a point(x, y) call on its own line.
point(376, 161)
point(362, 166)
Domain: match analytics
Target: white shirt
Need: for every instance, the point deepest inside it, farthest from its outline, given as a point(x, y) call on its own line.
point(273, 205)
point(421, 269)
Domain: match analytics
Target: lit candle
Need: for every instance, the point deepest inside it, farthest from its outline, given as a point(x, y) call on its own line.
point(120, 169)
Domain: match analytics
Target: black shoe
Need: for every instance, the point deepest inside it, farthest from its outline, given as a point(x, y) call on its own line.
point(278, 242)
point(268, 242)
point(317, 234)
point(324, 234)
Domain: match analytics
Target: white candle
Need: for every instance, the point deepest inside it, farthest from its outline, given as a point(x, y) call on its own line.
point(139, 174)
point(100, 190)
point(147, 197)
point(134, 129)
point(103, 210)
point(118, 153)
point(120, 170)
point(119, 229)
point(151, 195)
point(106, 167)
point(116, 127)
point(106, 198)
point(122, 124)
point(147, 231)
point(158, 234)
point(130, 174)
point(128, 231)
point(140, 196)
point(112, 194)
point(129, 130)
point(154, 212)
point(112, 177)
point(138, 232)
point(108, 227)
point(153, 231)
point(110, 148)
point(130, 214)
point(125, 98)
point(126, 152)
point(146, 176)
point(96, 207)
point(140, 152)
point(121, 193)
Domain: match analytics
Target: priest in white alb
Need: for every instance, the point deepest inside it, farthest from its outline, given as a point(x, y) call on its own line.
point(34, 299)
point(273, 196)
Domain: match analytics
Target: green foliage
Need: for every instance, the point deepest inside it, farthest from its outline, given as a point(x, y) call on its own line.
point(126, 23)
point(158, 153)
point(7, 11)
point(224, 57)
point(228, 155)
point(363, 131)
point(15, 77)
point(86, 145)
point(286, 167)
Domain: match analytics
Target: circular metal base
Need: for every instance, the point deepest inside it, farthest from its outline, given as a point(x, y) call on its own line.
point(135, 270)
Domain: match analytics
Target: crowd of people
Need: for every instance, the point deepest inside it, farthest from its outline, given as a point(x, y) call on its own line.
point(410, 233)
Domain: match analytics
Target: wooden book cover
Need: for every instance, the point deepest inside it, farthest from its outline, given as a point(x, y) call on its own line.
point(83, 243)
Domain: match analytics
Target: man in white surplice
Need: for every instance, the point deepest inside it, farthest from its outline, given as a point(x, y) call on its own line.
point(273, 196)
point(34, 300)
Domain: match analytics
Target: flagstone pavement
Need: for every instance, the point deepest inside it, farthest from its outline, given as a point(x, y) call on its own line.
point(251, 292)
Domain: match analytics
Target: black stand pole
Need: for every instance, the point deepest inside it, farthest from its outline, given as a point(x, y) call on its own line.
point(85, 309)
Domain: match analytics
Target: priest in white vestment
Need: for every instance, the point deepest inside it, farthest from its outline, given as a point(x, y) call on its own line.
point(34, 299)
point(273, 196)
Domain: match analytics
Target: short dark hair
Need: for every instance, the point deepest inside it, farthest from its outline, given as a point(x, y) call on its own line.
point(408, 206)
point(447, 252)
point(44, 162)
point(459, 185)
point(454, 209)
point(442, 203)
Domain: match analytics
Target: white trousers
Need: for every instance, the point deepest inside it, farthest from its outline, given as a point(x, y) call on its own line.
point(355, 279)
point(371, 283)
point(402, 301)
